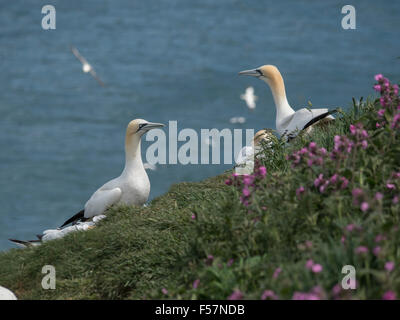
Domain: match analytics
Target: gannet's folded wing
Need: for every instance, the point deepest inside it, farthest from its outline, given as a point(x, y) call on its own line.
point(302, 117)
point(101, 200)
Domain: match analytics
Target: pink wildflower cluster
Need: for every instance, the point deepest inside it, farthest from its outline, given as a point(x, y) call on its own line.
point(247, 183)
point(316, 293)
point(345, 145)
point(311, 155)
point(335, 182)
point(389, 101)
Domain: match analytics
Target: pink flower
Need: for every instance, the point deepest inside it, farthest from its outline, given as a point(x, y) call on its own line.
point(336, 290)
point(269, 294)
point(276, 272)
point(381, 112)
point(196, 283)
point(210, 259)
point(248, 180)
point(228, 182)
point(378, 196)
point(230, 262)
point(309, 264)
point(389, 295)
point(377, 87)
point(236, 295)
point(376, 251)
point(389, 266)
point(193, 216)
point(379, 238)
point(299, 191)
point(395, 200)
point(378, 77)
point(246, 192)
point(316, 268)
point(364, 206)
point(164, 291)
point(390, 186)
point(353, 129)
point(350, 227)
point(263, 171)
point(304, 296)
point(361, 250)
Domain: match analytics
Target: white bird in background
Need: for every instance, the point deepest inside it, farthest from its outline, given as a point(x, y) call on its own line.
point(249, 98)
point(6, 294)
point(288, 121)
point(237, 120)
point(132, 187)
point(86, 66)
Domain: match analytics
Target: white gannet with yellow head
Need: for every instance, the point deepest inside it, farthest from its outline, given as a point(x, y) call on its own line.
point(132, 187)
point(288, 121)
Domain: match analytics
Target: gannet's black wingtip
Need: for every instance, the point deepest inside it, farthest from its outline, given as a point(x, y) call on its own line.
point(320, 117)
point(74, 218)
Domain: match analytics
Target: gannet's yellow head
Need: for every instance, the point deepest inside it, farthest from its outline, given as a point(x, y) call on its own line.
point(139, 127)
point(267, 71)
point(265, 135)
point(271, 75)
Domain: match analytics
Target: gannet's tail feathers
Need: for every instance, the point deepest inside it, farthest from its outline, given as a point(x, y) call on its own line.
point(25, 244)
point(320, 117)
point(75, 218)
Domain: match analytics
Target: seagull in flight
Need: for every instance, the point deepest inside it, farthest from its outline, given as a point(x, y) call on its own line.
point(249, 98)
point(86, 66)
point(288, 122)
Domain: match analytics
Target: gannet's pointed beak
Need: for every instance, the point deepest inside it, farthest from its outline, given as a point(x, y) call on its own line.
point(252, 72)
point(152, 125)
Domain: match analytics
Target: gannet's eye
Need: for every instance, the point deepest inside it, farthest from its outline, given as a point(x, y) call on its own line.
point(141, 126)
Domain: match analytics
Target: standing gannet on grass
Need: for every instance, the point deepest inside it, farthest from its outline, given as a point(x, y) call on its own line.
point(288, 121)
point(132, 187)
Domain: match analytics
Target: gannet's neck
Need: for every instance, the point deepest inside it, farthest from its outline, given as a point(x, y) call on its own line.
point(277, 86)
point(133, 157)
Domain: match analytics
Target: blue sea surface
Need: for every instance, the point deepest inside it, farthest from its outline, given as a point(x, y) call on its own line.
point(62, 135)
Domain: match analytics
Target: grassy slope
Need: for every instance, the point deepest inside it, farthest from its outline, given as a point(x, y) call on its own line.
point(133, 251)
point(137, 251)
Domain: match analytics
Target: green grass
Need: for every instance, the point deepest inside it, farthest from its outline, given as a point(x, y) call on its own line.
point(136, 252)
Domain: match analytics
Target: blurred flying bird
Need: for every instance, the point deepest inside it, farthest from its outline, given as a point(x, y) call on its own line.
point(237, 120)
point(249, 98)
point(86, 66)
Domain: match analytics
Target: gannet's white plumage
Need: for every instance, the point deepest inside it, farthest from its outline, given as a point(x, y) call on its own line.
point(132, 187)
point(249, 98)
point(6, 294)
point(86, 66)
point(288, 121)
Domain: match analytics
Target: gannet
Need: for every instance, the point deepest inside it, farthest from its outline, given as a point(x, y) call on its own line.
point(249, 98)
point(132, 187)
point(52, 234)
point(245, 159)
point(288, 121)
point(6, 294)
point(86, 66)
